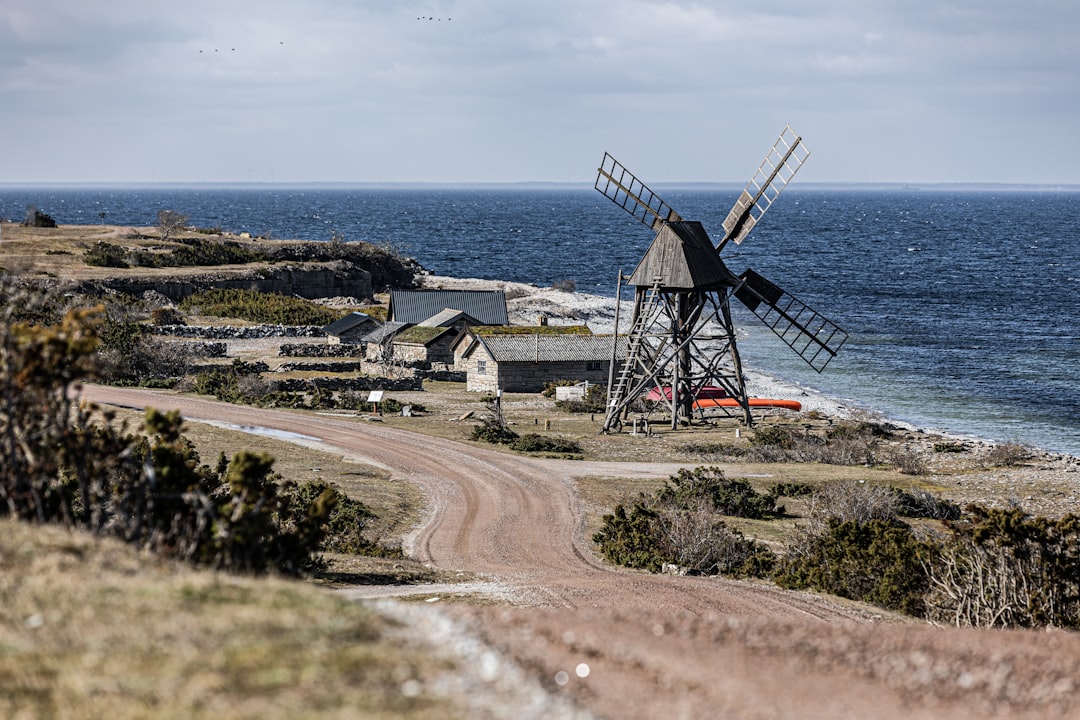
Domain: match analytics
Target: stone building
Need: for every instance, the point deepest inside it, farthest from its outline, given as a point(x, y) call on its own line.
point(525, 362)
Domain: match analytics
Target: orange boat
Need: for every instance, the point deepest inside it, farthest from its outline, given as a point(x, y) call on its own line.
point(702, 403)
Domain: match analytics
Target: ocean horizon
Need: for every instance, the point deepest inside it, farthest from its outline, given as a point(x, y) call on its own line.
point(962, 301)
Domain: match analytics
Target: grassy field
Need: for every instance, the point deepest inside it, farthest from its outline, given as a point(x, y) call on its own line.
point(91, 628)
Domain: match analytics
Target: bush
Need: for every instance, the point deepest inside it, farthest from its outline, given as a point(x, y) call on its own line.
point(1002, 568)
point(698, 542)
point(737, 498)
point(875, 561)
point(681, 525)
point(532, 442)
point(103, 254)
point(923, 504)
point(346, 523)
point(718, 450)
point(854, 501)
point(492, 431)
point(167, 316)
point(632, 539)
point(1008, 454)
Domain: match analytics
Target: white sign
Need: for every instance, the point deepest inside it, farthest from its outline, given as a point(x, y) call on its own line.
point(375, 396)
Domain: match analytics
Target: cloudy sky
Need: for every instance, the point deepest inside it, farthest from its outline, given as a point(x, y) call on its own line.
point(285, 91)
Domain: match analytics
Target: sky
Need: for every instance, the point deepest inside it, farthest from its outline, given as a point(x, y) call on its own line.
point(498, 91)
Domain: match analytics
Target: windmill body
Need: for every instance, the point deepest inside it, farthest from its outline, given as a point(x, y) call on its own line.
point(682, 339)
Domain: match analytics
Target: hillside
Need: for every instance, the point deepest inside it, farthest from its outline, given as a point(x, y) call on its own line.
point(89, 257)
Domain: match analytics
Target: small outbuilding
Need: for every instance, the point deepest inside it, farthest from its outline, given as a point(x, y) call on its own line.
point(351, 329)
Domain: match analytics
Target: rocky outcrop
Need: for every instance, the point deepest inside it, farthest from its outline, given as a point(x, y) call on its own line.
point(338, 278)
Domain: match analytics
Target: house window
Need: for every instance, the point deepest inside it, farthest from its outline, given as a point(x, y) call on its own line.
point(593, 365)
point(481, 367)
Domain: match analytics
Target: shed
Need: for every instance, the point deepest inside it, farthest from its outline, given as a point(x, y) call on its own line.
point(524, 363)
point(485, 307)
point(351, 329)
point(379, 339)
point(424, 344)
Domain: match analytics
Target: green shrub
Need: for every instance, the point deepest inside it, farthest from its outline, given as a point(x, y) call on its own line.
point(737, 498)
point(776, 436)
point(103, 254)
point(791, 490)
point(492, 431)
point(681, 525)
point(631, 539)
point(346, 522)
point(532, 442)
point(878, 561)
point(923, 504)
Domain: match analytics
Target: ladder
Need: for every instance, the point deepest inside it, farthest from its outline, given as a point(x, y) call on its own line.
point(618, 394)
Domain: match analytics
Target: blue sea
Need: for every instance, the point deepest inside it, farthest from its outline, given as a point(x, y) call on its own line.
point(963, 304)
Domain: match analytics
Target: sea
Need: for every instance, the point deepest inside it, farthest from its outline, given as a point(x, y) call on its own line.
point(962, 302)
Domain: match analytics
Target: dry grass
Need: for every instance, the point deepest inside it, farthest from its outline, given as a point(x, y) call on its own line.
point(92, 629)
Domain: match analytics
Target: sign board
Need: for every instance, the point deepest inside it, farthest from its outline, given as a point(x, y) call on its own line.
point(375, 396)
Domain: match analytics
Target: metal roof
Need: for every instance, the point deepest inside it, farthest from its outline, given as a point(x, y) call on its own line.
point(550, 348)
point(350, 321)
point(487, 307)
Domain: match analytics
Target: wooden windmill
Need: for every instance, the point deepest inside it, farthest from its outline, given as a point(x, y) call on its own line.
point(682, 339)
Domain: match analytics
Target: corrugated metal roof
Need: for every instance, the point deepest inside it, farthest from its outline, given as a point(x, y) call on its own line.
point(487, 307)
point(347, 323)
point(551, 348)
point(683, 257)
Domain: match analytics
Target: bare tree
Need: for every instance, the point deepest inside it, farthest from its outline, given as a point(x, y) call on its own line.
point(170, 221)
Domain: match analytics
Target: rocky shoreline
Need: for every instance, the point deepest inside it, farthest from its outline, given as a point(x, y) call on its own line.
point(1044, 482)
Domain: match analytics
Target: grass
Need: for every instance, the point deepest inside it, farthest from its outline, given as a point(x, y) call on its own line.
point(91, 628)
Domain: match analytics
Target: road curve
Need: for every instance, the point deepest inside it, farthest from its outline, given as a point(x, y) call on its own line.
point(657, 646)
point(513, 519)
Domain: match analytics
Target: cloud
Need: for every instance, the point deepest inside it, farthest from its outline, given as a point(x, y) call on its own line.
point(494, 91)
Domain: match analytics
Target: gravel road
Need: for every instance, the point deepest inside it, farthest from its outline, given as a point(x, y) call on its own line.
point(619, 644)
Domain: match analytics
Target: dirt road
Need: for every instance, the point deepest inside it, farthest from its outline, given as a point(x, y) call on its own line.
point(631, 645)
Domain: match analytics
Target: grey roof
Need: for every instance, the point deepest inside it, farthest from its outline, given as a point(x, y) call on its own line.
point(448, 317)
point(487, 307)
point(550, 348)
point(683, 257)
point(350, 321)
point(385, 331)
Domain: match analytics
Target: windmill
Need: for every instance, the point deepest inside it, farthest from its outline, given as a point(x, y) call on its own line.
point(682, 339)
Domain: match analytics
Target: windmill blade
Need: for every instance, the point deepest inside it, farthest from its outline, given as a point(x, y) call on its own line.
point(780, 165)
point(812, 336)
point(620, 186)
